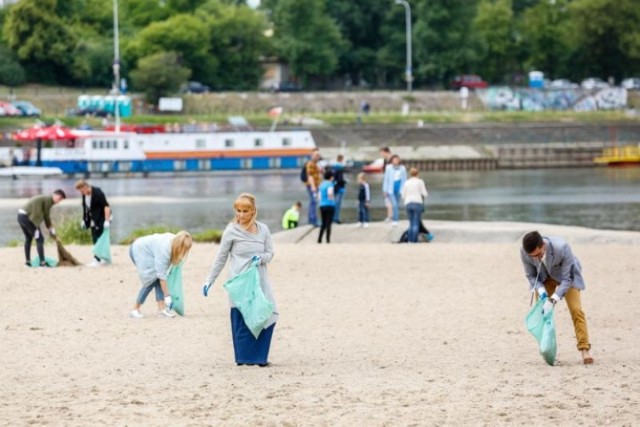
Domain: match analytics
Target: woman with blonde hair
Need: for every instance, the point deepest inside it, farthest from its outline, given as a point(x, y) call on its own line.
point(245, 241)
point(154, 256)
point(414, 193)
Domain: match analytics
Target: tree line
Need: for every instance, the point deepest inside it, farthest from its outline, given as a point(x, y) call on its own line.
point(326, 43)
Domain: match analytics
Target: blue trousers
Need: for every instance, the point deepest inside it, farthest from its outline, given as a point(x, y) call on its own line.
point(395, 205)
point(363, 212)
point(414, 212)
point(338, 199)
point(247, 349)
point(145, 290)
point(313, 207)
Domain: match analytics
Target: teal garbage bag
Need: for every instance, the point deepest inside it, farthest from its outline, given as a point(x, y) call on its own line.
point(174, 283)
point(102, 248)
point(246, 293)
point(543, 328)
point(51, 262)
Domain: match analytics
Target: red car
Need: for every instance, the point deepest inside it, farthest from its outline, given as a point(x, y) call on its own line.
point(470, 81)
point(7, 109)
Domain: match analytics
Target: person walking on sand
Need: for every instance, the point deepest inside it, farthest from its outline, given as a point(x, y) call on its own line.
point(552, 269)
point(395, 176)
point(30, 216)
point(154, 256)
point(414, 194)
point(385, 152)
point(340, 187)
point(364, 199)
point(313, 182)
point(326, 197)
point(96, 214)
point(244, 241)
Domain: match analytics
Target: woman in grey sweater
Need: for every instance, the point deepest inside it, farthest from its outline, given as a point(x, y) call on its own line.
point(243, 240)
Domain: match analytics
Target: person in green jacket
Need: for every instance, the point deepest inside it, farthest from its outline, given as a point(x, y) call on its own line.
point(292, 216)
point(31, 215)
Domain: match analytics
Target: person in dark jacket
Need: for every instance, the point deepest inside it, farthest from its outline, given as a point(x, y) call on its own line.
point(96, 214)
point(31, 215)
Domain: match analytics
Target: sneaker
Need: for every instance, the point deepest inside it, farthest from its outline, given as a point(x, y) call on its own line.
point(135, 314)
point(394, 224)
point(28, 264)
point(359, 225)
point(166, 313)
point(387, 219)
point(94, 263)
point(366, 225)
point(44, 264)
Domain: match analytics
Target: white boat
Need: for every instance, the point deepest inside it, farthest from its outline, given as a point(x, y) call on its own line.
point(37, 171)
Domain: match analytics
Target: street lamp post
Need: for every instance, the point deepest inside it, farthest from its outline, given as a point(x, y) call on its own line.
point(116, 63)
point(407, 9)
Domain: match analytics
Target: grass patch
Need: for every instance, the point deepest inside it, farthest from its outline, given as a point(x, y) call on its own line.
point(69, 229)
point(13, 243)
point(140, 232)
point(208, 236)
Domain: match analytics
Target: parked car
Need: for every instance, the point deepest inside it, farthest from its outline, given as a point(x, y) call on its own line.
point(6, 109)
point(594, 83)
point(632, 83)
point(470, 81)
point(194, 87)
point(27, 109)
point(287, 87)
point(563, 84)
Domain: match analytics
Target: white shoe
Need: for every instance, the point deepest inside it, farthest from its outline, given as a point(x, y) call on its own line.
point(366, 225)
point(104, 263)
point(359, 225)
point(166, 313)
point(394, 224)
point(135, 314)
point(94, 263)
point(387, 219)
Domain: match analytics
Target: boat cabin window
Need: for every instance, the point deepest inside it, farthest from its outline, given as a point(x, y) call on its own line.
point(286, 142)
point(115, 144)
point(228, 143)
point(201, 143)
point(101, 144)
point(126, 144)
point(258, 142)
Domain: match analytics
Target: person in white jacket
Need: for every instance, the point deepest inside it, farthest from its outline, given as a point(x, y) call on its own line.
point(414, 193)
point(154, 256)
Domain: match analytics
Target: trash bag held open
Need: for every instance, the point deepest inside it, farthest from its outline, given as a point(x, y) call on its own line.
point(543, 328)
point(246, 293)
point(174, 283)
point(102, 248)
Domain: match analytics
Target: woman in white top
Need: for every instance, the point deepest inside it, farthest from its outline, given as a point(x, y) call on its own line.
point(414, 193)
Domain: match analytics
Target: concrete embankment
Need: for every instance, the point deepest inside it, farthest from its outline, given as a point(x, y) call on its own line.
point(459, 232)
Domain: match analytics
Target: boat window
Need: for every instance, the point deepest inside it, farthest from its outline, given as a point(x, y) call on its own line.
point(107, 144)
point(115, 144)
point(258, 143)
point(201, 143)
point(126, 144)
point(94, 144)
point(228, 143)
point(179, 165)
point(204, 165)
point(101, 144)
point(286, 142)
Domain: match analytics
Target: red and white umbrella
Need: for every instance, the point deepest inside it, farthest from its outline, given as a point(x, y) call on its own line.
point(49, 133)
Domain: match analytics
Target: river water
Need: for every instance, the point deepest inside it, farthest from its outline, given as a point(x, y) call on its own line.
point(605, 198)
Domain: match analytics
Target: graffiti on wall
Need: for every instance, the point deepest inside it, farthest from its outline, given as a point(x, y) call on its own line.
point(525, 99)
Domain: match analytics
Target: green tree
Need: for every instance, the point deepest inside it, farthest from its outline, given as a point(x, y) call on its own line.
point(237, 42)
point(11, 72)
point(186, 35)
point(137, 14)
point(545, 34)
point(443, 42)
point(41, 40)
point(391, 56)
point(307, 38)
point(93, 63)
point(159, 74)
point(494, 27)
point(606, 37)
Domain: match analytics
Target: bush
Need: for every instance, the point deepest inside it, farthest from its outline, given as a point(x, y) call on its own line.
point(146, 231)
point(14, 243)
point(208, 236)
point(70, 230)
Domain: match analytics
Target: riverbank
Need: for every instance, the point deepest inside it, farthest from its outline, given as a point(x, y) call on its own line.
point(369, 334)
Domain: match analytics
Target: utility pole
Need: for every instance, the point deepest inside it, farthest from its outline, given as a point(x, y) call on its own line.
point(116, 63)
point(408, 71)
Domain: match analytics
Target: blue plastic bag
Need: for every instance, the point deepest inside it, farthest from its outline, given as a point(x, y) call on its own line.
point(102, 248)
point(543, 328)
point(174, 283)
point(246, 293)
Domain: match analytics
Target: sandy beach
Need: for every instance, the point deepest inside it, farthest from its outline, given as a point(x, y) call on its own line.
point(370, 334)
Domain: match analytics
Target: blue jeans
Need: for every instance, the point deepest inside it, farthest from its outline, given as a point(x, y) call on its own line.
point(313, 207)
point(414, 212)
point(144, 292)
point(395, 205)
point(338, 198)
point(363, 212)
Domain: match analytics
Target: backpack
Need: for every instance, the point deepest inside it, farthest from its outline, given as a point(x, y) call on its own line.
point(303, 173)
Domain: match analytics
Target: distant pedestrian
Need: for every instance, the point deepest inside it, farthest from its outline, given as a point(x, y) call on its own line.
point(313, 179)
point(464, 96)
point(364, 199)
point(340, 186)
point(292, 216)
point(395, 176)
point(96, 214)
point(327, 201)
point(414, 194)
point(385, 152)
point(30, 216)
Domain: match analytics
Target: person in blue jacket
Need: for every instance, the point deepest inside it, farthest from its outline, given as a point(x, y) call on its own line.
point(395, 175)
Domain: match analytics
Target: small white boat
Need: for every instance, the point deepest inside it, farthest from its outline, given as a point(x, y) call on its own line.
point(18, 171)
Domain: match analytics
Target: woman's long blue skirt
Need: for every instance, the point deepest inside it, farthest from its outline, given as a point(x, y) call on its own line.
point(249, 350)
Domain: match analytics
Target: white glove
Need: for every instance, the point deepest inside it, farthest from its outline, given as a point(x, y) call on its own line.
point(52, 232)
point(106, 224)
point(37, 234)
point(168, 302)
point(82, 224)
point(548, 305)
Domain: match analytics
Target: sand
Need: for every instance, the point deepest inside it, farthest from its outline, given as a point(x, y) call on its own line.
point(369, 334)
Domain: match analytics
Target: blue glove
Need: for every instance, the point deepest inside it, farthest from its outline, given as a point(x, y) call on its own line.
point(256, 259)
point(205, 289)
